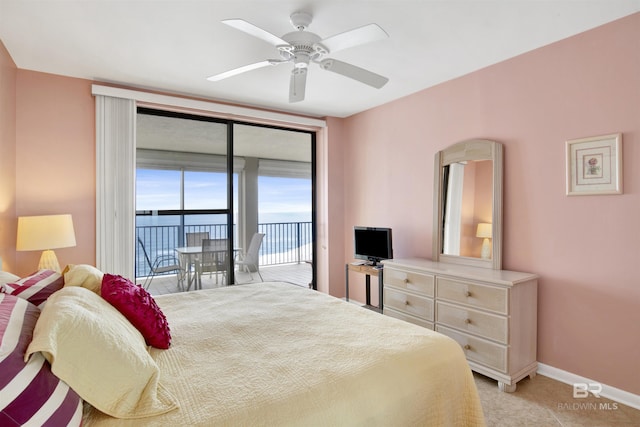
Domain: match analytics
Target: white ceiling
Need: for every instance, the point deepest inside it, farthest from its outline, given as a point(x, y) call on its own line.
point(174, 45)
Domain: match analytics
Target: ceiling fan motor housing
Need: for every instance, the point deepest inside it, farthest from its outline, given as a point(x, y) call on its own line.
point(301, 48)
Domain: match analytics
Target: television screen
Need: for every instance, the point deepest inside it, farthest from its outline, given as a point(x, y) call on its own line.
point(372, 243)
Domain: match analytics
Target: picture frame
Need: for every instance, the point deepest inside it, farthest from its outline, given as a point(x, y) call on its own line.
point(594, 165)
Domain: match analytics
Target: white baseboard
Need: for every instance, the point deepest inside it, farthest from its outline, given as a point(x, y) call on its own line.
point(620, 396)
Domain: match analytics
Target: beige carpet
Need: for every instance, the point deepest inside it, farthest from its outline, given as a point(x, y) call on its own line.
point(543, 402)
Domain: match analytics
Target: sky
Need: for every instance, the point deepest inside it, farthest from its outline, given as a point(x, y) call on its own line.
point(280, 199)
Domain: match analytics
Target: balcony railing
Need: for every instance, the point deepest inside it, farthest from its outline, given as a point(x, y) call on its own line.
point(283, 243)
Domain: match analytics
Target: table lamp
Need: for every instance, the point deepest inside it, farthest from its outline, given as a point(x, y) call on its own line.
point(45, 233)
point(484, 232)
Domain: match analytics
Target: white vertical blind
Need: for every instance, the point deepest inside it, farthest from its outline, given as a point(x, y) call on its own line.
point(115, 185)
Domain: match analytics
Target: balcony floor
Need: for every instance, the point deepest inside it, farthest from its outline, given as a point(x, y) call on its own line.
point(298, 274)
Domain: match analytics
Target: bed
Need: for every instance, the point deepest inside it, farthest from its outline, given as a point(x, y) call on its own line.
point(272, 354)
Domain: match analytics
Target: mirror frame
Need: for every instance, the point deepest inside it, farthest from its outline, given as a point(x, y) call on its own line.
point(473, 149)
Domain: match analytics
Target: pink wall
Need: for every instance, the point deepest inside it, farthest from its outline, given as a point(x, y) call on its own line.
point(586, 249)
point(8, 73)
point(55, 159)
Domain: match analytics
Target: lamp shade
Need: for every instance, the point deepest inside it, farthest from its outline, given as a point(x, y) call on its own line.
point(484, 230)
point(38, 233)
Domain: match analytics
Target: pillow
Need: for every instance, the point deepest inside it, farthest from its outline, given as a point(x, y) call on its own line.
point(137, 305)
point(29, 393)
point(6, 277)
point(83, 275)
point(94, 349)
point(37, 287)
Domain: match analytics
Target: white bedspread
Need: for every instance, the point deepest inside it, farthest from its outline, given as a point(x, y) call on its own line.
point(273, 354)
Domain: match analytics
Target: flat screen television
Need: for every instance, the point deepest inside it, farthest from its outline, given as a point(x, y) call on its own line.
point(372, 244)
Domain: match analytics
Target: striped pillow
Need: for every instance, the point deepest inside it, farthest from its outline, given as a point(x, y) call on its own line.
point(37, 287)
point(6, 277)
point(29, 392)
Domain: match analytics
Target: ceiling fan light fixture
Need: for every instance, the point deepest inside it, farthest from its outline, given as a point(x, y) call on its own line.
point(301, 60)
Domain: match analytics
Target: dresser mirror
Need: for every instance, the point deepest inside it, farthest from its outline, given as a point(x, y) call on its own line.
point(468, 204)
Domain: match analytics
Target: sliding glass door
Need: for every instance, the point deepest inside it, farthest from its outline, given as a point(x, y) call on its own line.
point(188, 184)
point(183, 188)
point(276, 198)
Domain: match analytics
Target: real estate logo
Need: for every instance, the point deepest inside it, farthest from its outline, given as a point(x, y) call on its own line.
point(582, 391)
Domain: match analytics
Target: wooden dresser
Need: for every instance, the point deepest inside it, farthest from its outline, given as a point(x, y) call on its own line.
point(492, 314)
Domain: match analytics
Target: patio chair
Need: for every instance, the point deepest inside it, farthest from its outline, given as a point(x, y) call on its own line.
point(195, 239)
point(214, 257)
point(250, 261)
point(162, 264)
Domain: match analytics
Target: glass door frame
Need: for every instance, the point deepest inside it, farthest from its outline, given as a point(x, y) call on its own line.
point(229, 211)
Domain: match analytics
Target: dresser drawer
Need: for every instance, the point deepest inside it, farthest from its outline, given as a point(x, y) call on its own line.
point(486, 325)
point(481, 296)
point(408, 318)
point(417, 282)
point(411, 304)
point(478, 350)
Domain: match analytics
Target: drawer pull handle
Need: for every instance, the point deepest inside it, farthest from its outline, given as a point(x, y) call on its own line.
point(467, 294)
point(406, 281)
point(467, 321)
point(467, 347)
point(407, 303)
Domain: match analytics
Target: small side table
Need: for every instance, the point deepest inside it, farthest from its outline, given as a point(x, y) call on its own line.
point(368, 271)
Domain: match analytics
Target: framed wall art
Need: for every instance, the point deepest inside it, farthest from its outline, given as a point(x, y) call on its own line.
point(594, 165)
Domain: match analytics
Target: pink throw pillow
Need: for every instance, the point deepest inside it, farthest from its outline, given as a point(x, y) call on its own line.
point(139, 307)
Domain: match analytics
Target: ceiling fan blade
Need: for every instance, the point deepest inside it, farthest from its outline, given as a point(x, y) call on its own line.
point(365, 34)
point(244, 69)
point(249, 28)
point(297, 84)
point(353, 72)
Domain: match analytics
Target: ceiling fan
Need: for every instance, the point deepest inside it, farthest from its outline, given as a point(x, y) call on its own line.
point(303, 47)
